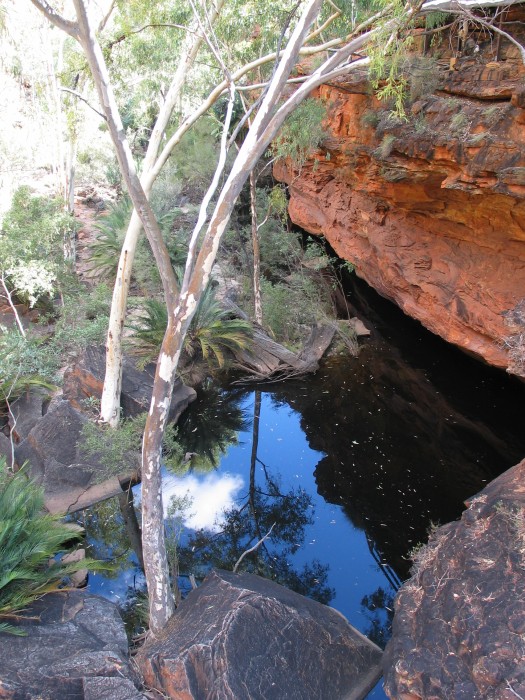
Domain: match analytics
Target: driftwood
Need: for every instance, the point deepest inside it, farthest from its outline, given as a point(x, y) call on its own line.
point(267, 359)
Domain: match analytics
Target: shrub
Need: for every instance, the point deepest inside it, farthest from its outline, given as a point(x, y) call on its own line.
point(371, 118)
point(212, 331)
point(29, 542)
point(34, 235)
point(459, 125)
point(83, 321)
point(423, 76)
point(116, 448)
point(385, 147)
point(290, 308)
point(301, 133)
point(24, 363)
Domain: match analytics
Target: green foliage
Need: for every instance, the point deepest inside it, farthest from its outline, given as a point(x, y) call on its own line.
point(460, 125)
point(212, 331)
point(423, 76)
point(24, 363)
point(34, 228)
point(116, 448)
point(30, 539)
point(292, 307)
point(196, 156)
point(83, 321)
point(112, 227)
point(32, 239)
point(387, 57)
point(119, 448)
point(280, 250)
point(301, 133)
point(105, 250)
point(436, 19)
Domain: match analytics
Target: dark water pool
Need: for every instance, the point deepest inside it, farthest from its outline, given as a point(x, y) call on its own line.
point(351, 466)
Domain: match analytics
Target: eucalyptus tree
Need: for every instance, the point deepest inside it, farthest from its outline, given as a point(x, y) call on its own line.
point(246, 33)
point(347, 54)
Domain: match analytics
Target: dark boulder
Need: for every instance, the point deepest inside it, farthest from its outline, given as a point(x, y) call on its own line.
point(242, 637)
point(86, 379)
point(26, 411)
point(55, 460)
point(459, 622)
point(75, 648)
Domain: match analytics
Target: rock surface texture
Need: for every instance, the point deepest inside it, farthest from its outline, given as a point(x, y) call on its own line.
point(430, 210)
point(86, 380)
point(54, 454)
point(76, 650)
point(459, 624)
point(241, 637)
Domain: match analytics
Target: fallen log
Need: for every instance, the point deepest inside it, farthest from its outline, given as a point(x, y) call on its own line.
point(267, 359)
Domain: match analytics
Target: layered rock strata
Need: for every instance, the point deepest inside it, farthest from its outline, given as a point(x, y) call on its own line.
point(430, 210)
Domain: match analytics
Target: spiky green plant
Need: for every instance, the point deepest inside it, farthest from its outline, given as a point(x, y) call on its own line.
point(212, 332)
point(30, 539)
point(105, 250)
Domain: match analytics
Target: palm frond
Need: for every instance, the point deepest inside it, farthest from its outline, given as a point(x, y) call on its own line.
point(212, 331)
point(31, 542)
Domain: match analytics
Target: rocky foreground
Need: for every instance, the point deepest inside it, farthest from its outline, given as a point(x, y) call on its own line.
point(459, 624)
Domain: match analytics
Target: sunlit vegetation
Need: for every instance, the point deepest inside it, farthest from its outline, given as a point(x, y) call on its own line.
point(30, 541)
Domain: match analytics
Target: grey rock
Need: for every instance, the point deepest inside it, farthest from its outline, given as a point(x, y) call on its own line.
point(458, 621)
point(26, 411)
point(241, 637)
point(56, 461)
point(73, 636)
point(110, 689)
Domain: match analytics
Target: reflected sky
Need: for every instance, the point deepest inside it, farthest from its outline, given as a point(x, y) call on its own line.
point(210, 495)
point(381, 446)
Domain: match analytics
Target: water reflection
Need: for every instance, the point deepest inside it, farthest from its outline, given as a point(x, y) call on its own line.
point(206, 432)
point(261, 531)
point(350, 467)
point(399, 455)
point(207, 499)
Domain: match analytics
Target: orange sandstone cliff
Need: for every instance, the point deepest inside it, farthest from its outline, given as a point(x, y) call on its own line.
point(430, 210)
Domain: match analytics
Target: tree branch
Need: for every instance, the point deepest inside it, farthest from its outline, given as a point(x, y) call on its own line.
point(8, 295)
point(252, 549)
point(52, 15)
point(104, 20)
point(80, 97)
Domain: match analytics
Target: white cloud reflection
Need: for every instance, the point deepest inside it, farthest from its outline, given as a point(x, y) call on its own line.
point(210, 496)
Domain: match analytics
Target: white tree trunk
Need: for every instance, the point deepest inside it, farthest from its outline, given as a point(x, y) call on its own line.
point(110, 402)
point(257, 299)
point(179, 321)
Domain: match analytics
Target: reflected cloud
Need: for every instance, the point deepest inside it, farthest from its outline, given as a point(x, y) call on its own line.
point(210, 497)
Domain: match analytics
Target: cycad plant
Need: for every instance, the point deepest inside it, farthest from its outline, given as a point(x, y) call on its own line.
point(212, 331)
point(30, 541)
point(112, 226)
point(105, 251)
